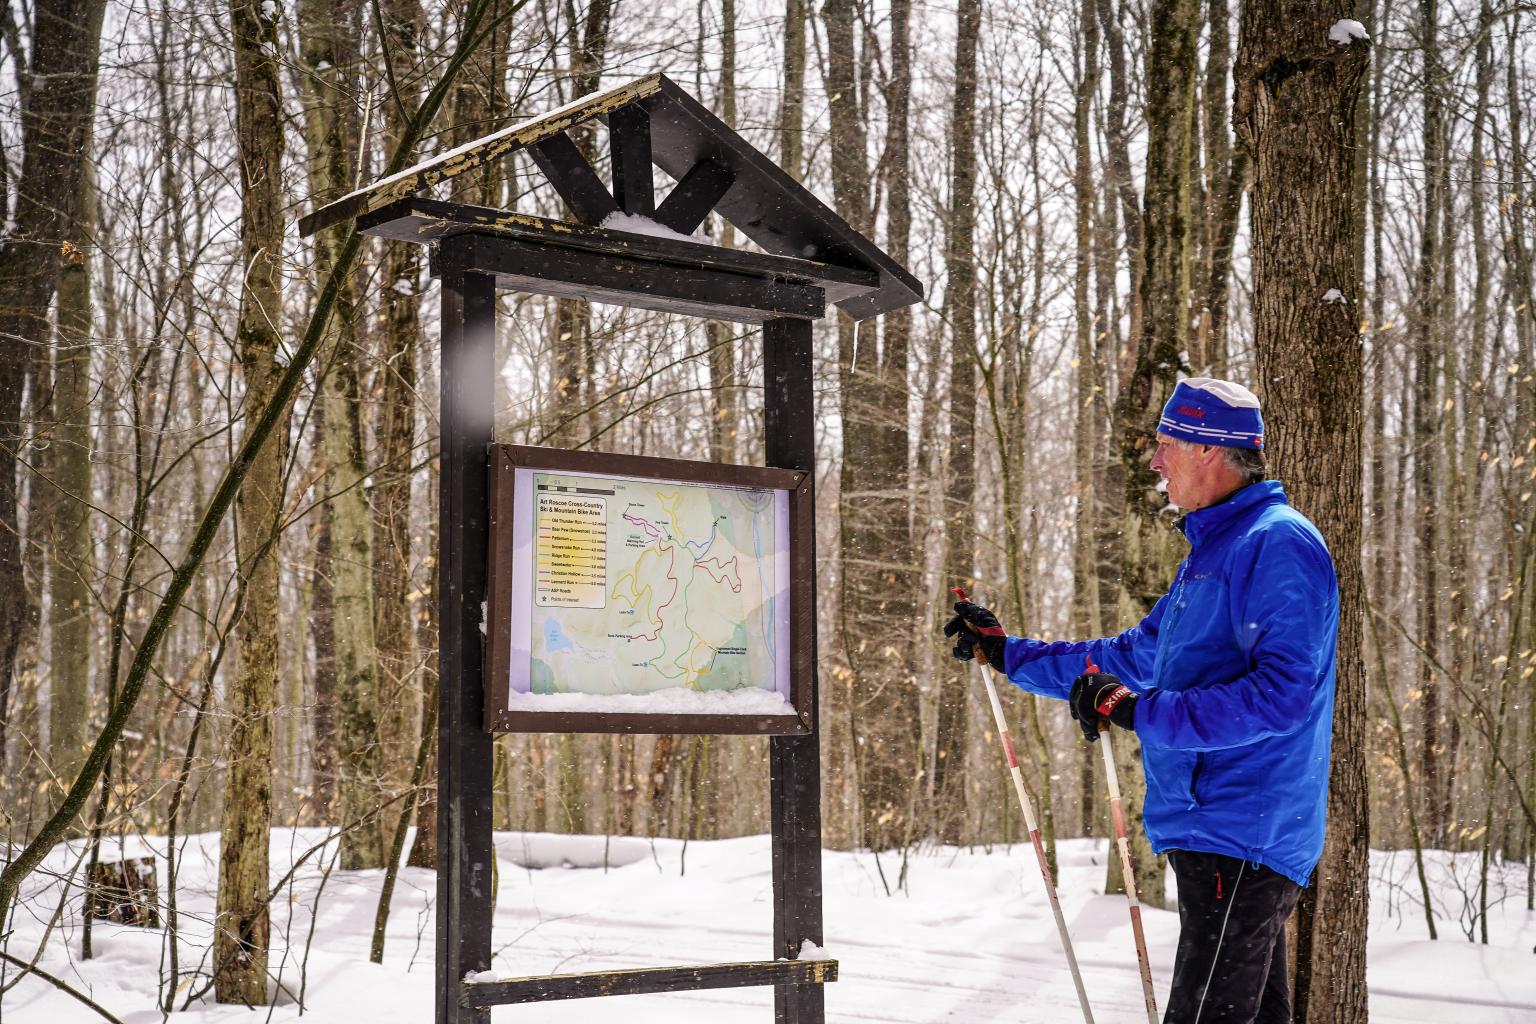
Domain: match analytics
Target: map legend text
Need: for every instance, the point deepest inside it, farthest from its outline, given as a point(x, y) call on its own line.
point(571, 555)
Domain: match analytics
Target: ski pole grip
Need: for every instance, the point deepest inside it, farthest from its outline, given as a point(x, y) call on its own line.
point(976, 649)
point(1090, 669)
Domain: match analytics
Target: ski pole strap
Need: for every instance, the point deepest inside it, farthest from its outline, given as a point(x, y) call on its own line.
point(1104, 703)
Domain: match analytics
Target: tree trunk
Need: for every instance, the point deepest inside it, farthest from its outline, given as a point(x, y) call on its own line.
point(323, 761)
point(69, 500)
point(1148, 552)
point(1226, 173)
point(1118, 151)
point(1523, 288)
point(243, 925)
point(57, 96)
point(792, 110)
point(1087, 615)
point(1294, 110)
point(872, 514)
point(951, 729)
point(424, 847)
point(328, 50)
point(408, 669)
point(399, 676)
point(1426, 413)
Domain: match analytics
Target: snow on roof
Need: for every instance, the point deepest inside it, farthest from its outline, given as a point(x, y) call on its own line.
point(477, 153)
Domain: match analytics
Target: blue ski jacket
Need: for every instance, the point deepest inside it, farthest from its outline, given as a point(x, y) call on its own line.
point(1234, 667)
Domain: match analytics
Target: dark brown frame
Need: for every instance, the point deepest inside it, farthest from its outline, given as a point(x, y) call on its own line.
point(507, 458)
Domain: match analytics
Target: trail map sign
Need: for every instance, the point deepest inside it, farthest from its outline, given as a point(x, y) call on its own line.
point(615, 594)
point(643, 595)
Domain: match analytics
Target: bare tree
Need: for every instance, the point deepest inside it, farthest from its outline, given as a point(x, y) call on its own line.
point(244, 925)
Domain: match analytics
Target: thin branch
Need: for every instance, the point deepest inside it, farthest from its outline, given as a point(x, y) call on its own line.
point(61, 985)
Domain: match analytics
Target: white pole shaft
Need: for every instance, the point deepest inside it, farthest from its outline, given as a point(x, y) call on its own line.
point(1117, 810)
point(1034, 837)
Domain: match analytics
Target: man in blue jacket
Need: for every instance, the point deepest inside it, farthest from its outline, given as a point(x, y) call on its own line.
point(1228, 684)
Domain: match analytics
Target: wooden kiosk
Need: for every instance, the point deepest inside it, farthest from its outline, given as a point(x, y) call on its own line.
point(809, 257)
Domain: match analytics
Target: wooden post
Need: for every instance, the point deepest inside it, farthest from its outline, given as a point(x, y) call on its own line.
point(794, 761)
point(464, 897)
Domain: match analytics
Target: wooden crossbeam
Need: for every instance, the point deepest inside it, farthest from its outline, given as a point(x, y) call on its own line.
point(427, 220)
point(484, 994)
point(691, 199)
point(629, 142)
point(630, 281)
point(574, 178)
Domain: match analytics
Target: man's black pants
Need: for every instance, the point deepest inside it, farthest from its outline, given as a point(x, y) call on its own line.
point(1230, 966)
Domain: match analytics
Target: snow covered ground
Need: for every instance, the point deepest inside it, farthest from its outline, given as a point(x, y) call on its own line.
point(970, 940)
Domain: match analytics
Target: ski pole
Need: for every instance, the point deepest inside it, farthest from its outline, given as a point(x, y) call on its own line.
point(1031, 824)
point(1117, 811)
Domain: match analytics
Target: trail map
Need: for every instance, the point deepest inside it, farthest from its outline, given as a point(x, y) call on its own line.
point(646, 585)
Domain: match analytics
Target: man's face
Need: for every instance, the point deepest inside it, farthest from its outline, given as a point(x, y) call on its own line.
point(1186, 468)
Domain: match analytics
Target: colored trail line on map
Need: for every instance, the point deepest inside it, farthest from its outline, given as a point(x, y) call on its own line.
point(637, 592)
point(724, 569)
point(727, 573)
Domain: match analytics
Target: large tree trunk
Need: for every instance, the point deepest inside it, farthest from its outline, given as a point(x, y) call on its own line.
point(1294, 111)
point(243, 926)
point(57, 95)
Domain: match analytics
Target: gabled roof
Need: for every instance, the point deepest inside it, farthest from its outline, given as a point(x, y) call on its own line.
point(716, 169)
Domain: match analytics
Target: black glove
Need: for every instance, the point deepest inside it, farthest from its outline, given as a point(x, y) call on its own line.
point(1101, 697)
point(975, 626)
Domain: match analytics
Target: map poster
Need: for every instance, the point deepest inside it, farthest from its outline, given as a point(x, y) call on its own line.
point(643, 595)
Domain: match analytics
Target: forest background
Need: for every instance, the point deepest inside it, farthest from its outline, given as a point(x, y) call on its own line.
point(217, 576)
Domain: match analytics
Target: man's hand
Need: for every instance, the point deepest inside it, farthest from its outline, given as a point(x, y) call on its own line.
point(1099, 697)
point(974, 626)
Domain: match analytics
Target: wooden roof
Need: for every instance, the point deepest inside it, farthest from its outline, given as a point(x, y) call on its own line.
point(714, 166)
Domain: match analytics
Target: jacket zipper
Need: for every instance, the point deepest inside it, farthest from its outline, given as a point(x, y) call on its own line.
point(1178, 597)
point(1194, 779)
